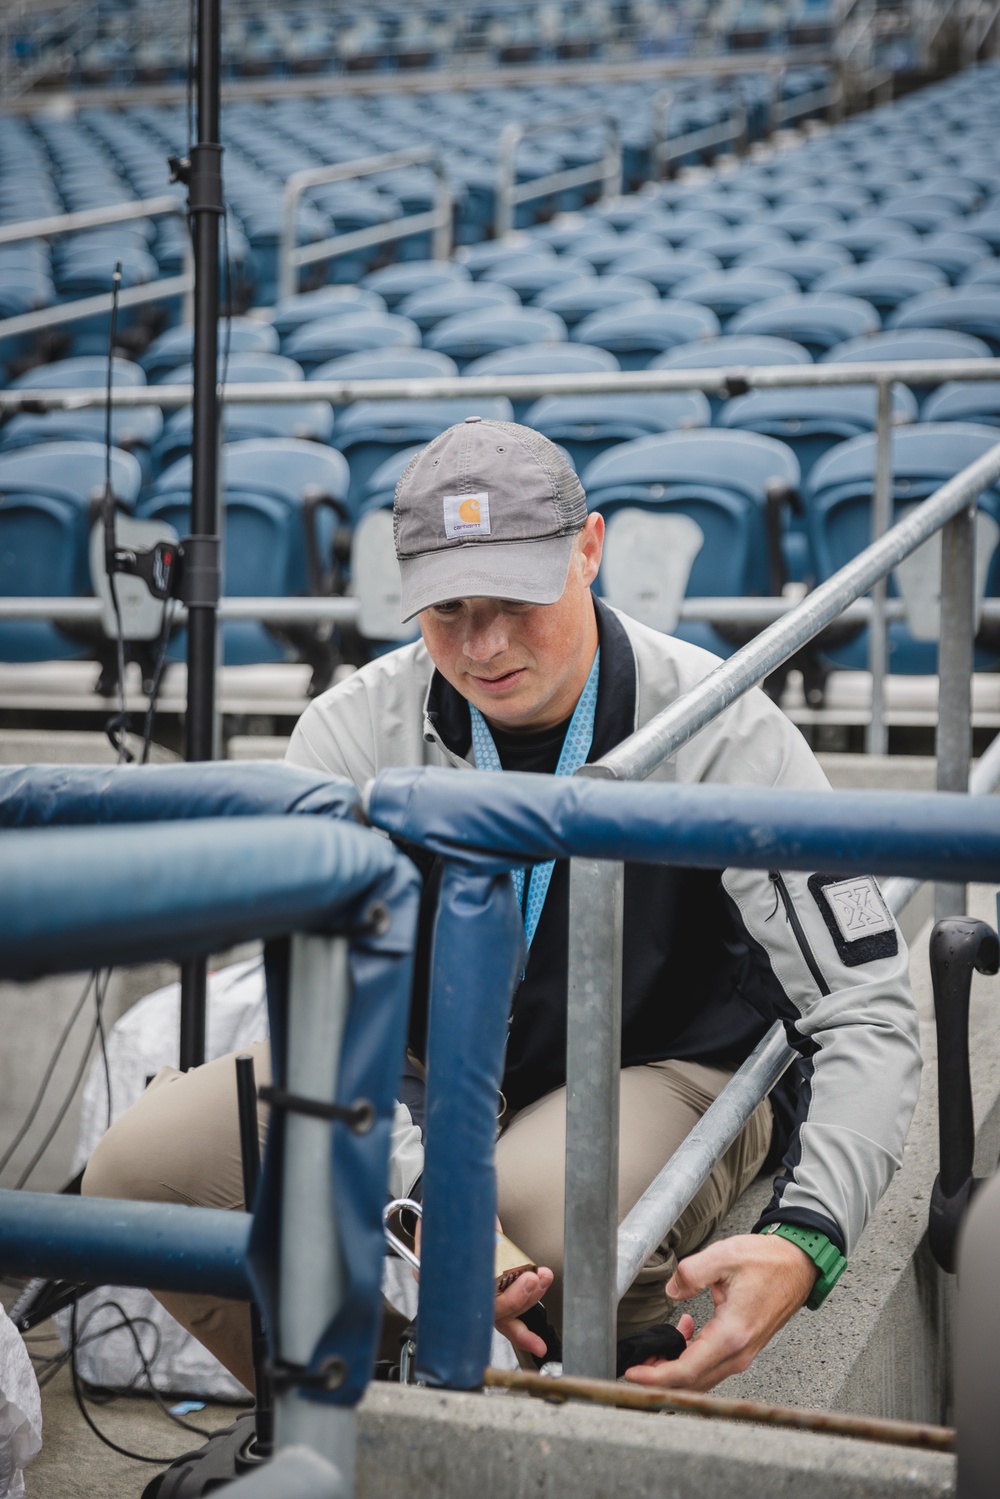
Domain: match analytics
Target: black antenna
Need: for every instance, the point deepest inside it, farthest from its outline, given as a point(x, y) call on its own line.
point(117, 726)
point(110, 545)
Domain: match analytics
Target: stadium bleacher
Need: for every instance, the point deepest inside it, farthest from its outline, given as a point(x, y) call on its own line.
point(874, 239)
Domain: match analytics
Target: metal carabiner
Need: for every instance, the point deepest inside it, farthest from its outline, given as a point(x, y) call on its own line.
point(397, 1205)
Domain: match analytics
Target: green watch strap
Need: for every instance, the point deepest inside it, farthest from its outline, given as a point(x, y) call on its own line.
point(822, 1251)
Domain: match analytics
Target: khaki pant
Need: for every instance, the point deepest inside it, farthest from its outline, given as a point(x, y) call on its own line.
point(180, 1143)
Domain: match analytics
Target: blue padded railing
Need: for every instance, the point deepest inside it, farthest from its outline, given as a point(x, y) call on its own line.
point(69, 795)
point(484, 824)
point(76, 897)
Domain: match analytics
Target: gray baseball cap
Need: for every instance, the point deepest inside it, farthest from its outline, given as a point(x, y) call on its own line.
point(487, 510)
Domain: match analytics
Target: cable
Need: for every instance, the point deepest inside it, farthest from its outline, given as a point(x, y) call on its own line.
point(99, 997)
point(154, 686)
point(47, 1078)
point(139, 1457)
point(60, 1116)
point(117, 727)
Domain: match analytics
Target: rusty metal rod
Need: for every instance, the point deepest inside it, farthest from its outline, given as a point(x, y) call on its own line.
point(636, 1397)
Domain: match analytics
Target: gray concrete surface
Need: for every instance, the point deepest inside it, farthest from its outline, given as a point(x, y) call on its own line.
point(880, 1344)
point(424, 1444)
point(71, 747)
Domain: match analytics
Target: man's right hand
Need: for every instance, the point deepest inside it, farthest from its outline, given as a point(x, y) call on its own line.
point(510, 1305)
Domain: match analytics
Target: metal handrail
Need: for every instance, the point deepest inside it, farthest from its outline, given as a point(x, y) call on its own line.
point(594, 982)
point(719, 382)
point(438, 220)
point(94, 218)
point(667, 150)
point(509, 192)
point(708, 610)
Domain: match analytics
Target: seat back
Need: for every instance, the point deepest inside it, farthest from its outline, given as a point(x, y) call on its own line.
point(636, 334)
point(839, 501)
point(369, 432)
point(586, 426)
point(43, 553)
point(718, 480)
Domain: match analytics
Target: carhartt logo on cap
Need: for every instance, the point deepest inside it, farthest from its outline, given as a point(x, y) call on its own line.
point(466, 515)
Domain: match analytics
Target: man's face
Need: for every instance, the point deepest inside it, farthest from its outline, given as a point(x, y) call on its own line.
point(522, 665)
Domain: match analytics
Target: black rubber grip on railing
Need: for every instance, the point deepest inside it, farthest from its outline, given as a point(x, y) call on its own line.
point(959, 946)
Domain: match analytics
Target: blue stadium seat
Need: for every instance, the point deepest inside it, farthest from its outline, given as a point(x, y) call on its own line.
point(48, 500)
point(586, 426)
point(960, 401)
point(176, 346)
point(806, 262)
point(884, 283)
point(370, 432)
point(134, 429)
point(927, 213)
point(811, 420)
point(867, 238)
point(727, 245)
point(604, 253)
point(327, 338)
point(636, 334)
point(477, 259)
point(817, 320)
point(729, 292)
point(800, 220)
point(664, 269)
point(576, 298)
point(471, 335)
point(720, 481)
point(839, 517)
point(527, 275)
point(429, 307)
point(240, 422)
point(952, 252)
point(963, 309)
point(733, 351)
point(285, 501)
point(327, 301)
point(543, 359)
point(394, 283)
point(386, 364)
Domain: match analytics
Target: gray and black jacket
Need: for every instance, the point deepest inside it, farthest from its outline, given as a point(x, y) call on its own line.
point(711, 957)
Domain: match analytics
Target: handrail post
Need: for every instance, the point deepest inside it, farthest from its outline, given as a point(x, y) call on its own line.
point(661, 119)
point(878, 643)
point(612, 178)
point(287, 272)
point(503, 208)
point(442, 236)
point(953, 744)
point(593, 1078)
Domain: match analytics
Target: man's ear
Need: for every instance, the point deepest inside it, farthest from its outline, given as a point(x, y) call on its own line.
point(591, 545)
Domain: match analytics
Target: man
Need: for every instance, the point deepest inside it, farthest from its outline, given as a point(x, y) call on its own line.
point(519, 667)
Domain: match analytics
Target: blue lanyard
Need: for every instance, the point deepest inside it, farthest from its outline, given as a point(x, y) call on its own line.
point(576, 748)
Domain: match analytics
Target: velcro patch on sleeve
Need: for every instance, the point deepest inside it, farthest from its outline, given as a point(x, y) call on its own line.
point(857, 917)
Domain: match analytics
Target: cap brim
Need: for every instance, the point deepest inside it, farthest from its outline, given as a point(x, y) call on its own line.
point(527, 572)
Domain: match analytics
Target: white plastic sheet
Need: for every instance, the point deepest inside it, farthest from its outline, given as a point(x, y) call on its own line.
point(20, 1410)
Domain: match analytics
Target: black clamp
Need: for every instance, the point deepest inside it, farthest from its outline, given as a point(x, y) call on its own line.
point(205, 180)
point(359, 1116)
point(737, 383)
point(198, 584)
point(330, 1375)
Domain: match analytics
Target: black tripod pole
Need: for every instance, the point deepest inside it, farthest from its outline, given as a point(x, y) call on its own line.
point(201, 548)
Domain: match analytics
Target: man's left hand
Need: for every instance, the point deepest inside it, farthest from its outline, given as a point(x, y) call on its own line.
point(757, 1282)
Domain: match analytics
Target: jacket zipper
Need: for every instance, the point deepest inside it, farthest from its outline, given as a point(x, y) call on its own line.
point(799, 931)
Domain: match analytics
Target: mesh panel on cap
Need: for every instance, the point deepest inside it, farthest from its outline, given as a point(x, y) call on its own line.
point(568, 493)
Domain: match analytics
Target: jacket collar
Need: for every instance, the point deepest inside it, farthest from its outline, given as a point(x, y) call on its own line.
point(446, 712)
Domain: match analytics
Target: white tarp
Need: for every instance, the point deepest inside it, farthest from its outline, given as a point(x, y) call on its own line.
point(20, 1410)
